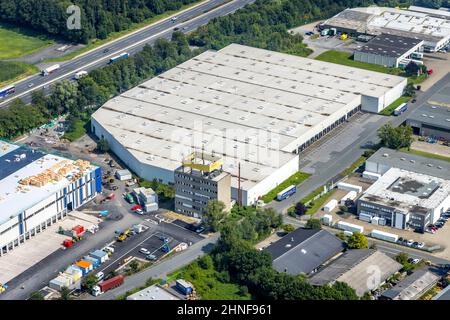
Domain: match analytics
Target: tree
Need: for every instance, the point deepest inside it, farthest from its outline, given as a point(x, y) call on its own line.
point(89, 281)
point(395, 138)
point(412, 69)
point(213, 214)
point(300, 209)
point(103, 145)
point(134, 265)
point(313, 224)
point(288, 227)
point(37, 295)
point(65, 293)
point(357, 241)
point(402, 258)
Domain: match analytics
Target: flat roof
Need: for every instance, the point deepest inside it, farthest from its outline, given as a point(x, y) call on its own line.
point(436, 110)
point(412, 286)
point(408, 190)
point(20, 163)
point(303, 250)
point(432, 12)
point(242, 103)
point(390, 45)
point(412, 162)
point(377, 20)
point(153, 292)
point(353, 268)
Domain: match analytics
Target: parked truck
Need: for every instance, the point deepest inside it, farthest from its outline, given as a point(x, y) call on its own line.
point(106, 285)
point(49, 70)
point(286, 193)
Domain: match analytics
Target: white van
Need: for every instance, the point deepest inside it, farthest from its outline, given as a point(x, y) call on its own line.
point(99, 276)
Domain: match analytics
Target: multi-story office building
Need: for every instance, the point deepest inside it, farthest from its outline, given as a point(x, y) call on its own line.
point(38, 189)
point(199, 180)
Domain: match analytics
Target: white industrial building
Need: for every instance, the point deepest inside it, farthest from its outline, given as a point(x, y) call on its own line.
point(404, 199)
point(373, 20)
point(249, 106)
point(38, 189)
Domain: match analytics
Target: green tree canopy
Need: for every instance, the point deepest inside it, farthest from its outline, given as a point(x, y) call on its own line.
point(213, 214)
point(313, 224)
point(357, 241)
point(395, 137)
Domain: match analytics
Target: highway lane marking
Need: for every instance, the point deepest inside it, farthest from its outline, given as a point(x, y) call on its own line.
point(134, 44)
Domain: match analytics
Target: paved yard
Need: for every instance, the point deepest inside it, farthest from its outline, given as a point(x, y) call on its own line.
point(440, 63)
point(434, 148)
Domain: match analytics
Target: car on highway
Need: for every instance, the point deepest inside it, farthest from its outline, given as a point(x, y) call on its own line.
point(184, 28)
point(105, 50)
point(151, 257)
point(30, 85)
point(144, 251)
point(174, 19)
point(176, 29)
point(413, 100)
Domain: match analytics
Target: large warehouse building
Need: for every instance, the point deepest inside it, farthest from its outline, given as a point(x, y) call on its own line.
point(434, 31)
point(388, 50)
point(249, 106)
point(432, 118)
point(38, 189)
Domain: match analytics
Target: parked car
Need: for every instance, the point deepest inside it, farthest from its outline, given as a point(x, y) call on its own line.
point(409, 242)
point(150, 257)
point(415, 244)
point(144, 251)
point(420, 245)
point(413, 260)
point(400, 240)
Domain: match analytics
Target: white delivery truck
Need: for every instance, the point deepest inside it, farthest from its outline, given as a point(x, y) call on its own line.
point(49, 70)
point(80, 74)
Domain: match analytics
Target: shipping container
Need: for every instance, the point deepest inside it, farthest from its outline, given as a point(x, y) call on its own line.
point(351, 195)
point(106, 285)
point(184, 286)
point(84, 266)
point(330, 205)
point(94, 261)
point(384, 235)
point(349, 227)
point(349, 187)
point(327, 219)
point(100, 255)
point(60, 281)
point(286, 193)
point(74, 272)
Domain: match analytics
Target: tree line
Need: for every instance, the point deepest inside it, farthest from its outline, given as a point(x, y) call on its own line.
point(98, 17)
point(81, 98)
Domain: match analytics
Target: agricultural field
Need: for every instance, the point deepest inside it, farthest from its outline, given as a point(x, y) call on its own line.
point(17, 42)
point(13, 71)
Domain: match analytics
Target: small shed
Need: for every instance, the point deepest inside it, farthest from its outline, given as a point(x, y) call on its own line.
point(123, 175)
point(85, 266)
point(100, 255)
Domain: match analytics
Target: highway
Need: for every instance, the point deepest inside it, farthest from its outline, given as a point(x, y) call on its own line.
point(186, 21)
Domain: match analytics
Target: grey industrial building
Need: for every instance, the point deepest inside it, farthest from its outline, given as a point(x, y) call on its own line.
point(356, 268)
point(432, 118)
point(384, 159)
point(388, 50)
point(153, 292)
point(304, 251)
point(198, 181)
point(412, 287)
point(405, 199)
point(374, 20)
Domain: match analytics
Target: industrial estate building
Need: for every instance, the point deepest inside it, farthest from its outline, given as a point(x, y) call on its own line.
point(199, 180)
point(389, 50)
point(405, 199)
point(38, 189)
point(355, 268)
point(304, 251)
point(426, 26)
point(153, 292)
point(432, 118)
point(252, 107)
point(412, 287)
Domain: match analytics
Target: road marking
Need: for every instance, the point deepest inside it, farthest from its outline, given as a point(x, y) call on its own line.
point(115, 53)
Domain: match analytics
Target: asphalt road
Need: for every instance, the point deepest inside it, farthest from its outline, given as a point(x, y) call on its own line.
point(338, 161)
point(187, 21)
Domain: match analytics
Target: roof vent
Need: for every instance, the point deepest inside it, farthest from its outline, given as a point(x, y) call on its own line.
point(385, 155)
point(403, 159)
point(412, 161)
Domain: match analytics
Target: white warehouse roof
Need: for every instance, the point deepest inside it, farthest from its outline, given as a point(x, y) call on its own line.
point(17, 163)
point(243, 103)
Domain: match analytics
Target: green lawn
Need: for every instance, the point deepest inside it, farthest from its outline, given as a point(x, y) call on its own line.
point(212, 285)
point(315, 205)
point(295, 179)
point(115, 35)
point(79, 131)
point(13, 71)
point(426, 154)
point(17, 42)
point(346, 58)
point(390, 108)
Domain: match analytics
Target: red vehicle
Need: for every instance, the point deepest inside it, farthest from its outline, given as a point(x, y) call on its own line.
point(111, 196)
point(67, 243)
point(430, 71)
point(136, 207)
point(106, 285)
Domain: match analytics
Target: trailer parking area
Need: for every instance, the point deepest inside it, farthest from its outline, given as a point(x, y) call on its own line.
point(34, 250)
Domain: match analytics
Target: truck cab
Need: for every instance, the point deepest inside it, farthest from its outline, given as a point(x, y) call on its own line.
point(96, 291)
